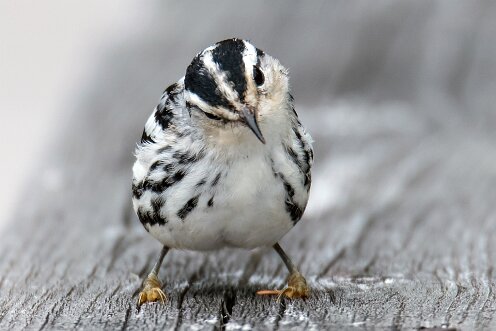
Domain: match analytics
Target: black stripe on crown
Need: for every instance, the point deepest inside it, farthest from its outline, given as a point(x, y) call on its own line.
point(229, 56)
point(199, 81)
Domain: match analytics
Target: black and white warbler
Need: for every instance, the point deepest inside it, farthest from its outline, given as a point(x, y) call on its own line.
point(223, 160)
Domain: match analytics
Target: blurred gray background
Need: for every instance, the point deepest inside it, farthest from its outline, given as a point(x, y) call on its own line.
point(398, 95)
point(49, 53)
point(436, 57)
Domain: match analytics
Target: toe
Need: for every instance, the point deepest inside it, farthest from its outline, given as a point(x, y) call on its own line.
point(142, 298)
point(269, 292)
point(151, 295)
point(297, 288)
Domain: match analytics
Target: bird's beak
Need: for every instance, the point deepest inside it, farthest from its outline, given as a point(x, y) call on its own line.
point(250, 117)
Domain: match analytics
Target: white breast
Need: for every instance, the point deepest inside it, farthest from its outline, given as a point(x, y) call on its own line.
point(248, 206)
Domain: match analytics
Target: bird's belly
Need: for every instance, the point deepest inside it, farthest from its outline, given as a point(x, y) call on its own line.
point(219, 229)
point(247, 211)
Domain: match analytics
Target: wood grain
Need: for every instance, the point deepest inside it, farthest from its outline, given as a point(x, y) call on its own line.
point(399, 232)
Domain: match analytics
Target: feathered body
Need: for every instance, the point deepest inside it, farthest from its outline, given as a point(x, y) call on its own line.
point(223, 160)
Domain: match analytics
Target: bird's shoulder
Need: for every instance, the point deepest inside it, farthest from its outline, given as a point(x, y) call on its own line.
point(167, 118)
point(169, 141)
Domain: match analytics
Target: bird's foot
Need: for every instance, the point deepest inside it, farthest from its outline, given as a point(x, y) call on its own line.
point(297, 288)
point(152, 290)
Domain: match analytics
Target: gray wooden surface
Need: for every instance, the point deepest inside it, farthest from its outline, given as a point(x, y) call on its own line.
point(399, 233)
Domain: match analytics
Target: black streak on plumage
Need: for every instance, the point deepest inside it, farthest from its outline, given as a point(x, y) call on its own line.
point(216, 179)
point(178, 176)
point(169, 167)
point(145, 138)
point(137, 190)
point(187, 157)
point(154, 165)
point(149, 217)
point(171, 89)
point(273, 167)
point(157, 204)
point(201, 182)
point(163, 116)
point(210, 202)
point(293, 209)
point(291, 100)
point(165, 183)
point(308, 180)
point(188, 207)
point(294, 157)
point(303, 165)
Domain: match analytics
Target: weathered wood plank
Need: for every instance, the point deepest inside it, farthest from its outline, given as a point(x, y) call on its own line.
point(400, 229)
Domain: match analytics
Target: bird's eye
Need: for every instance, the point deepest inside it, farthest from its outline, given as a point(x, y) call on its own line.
point(212, 116)
point(258, 76)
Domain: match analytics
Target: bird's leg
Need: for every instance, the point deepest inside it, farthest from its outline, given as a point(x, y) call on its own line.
point(152, 287)
point(297, 285)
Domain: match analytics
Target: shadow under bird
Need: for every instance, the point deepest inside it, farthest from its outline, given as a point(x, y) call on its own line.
point(224, 161)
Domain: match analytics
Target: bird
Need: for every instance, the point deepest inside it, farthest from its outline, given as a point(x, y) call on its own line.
point(224, 161)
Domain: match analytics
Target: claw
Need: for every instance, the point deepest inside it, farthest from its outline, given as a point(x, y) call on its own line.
point(297, 288)
point(152, 291)
point(151, 295)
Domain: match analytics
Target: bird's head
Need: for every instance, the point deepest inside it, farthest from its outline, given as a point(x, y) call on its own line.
point(234, 83)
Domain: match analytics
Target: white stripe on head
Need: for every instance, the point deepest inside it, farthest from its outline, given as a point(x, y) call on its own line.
point(194, 99)
point(220, 78)
point(249, 56)
point(250, 60)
